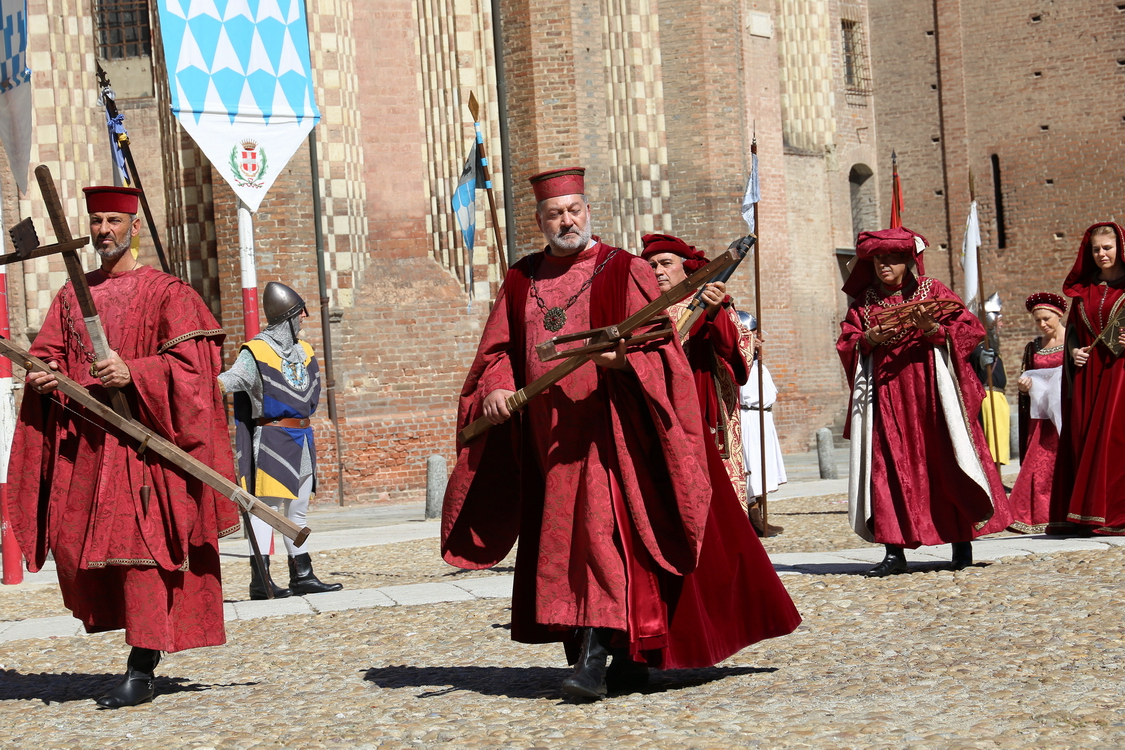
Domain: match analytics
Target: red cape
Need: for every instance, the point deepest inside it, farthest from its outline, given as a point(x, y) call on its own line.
point(76, 488)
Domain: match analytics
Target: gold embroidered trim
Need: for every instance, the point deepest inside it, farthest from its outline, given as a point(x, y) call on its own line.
point(1023, 528)
point(1050, 350)
point(1076, 517)
point(132, 563)
point(179, 339)
point(231, 530)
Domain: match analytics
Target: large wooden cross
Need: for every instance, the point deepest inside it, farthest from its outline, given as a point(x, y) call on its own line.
point(118, 417)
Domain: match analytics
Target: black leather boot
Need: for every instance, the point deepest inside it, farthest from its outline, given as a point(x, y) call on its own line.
point(962, 555)
point(893, 563)
point(258, 586)
point(138, 686)
point(625, 675)
point(302, 580)
point(588, 680)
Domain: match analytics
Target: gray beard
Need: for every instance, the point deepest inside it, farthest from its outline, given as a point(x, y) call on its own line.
point(579, 243)
point(116, 252)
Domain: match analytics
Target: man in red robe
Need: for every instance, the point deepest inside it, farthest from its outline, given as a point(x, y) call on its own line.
point(135, 541)
point(605, 477)
point(718, 350)
point(921, 472)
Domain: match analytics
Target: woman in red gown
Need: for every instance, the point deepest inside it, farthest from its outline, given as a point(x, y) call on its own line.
point(1091, 473)
point(1039, 438)
point(921, 473)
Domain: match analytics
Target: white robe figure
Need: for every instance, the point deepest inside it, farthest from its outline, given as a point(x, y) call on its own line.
point(751, 443)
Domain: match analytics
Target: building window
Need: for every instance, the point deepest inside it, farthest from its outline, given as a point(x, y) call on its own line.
point(857, 73)
point(122, 29)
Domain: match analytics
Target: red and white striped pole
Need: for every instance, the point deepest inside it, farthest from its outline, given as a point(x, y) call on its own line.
point(249, 271)
point(13, 563)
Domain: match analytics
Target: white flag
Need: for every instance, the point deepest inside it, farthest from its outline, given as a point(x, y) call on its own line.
point(15, 90)
point(241, 84)
point(970, 246)
point(752, 196)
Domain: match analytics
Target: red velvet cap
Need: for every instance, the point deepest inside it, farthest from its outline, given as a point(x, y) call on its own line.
point(870, 244)
point(655, 244)
point(556, 182)
point(1048, 300)
point(112, 199)
point(897, 240)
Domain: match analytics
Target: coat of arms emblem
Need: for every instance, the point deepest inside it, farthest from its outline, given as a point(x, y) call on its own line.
point(248, 163)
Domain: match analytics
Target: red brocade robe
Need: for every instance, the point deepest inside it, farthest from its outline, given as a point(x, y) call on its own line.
point(154, 570)
point(1031, 498)
point(718, 352)
point(920, 492)
point(606, 480)
point(1090, 475)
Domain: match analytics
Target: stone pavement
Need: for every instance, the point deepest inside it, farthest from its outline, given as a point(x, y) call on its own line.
point(1025, 649)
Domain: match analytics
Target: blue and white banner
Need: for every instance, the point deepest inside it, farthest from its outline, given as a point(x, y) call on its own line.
point(241, 83)
point(15, 89)
point(752, 196)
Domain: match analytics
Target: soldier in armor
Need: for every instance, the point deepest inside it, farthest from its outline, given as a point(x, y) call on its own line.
point(276, 387)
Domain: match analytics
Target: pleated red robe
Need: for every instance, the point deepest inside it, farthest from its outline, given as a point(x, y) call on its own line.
point(1089, 474)
point(605, 479)
point(920, 496)
point(75, 486)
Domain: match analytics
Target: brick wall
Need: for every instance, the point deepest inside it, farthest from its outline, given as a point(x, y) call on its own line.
point(1037, 84)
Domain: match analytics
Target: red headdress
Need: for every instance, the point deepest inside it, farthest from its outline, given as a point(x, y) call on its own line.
point(654, 244)
point(111, 199)
point(556, 182)
point(1084, 267)
point(1048, 300)
point(870, 244)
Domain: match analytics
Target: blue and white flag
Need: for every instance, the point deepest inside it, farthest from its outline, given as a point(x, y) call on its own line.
point(241, 81)
point(116, 128)
point(15, 90)
point(465, 200)
point(753, 195)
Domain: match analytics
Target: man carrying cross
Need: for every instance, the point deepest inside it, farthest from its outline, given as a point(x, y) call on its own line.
point(604, 477)
point(135, 541)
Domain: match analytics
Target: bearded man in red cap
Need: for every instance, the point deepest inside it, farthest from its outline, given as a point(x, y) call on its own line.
point(604, 478)
point(921, 473)
point(134, 540)
point(719, 351)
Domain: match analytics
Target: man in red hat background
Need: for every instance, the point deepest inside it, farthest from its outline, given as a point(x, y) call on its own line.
point(135, 542)
point(719, 352)
point(604, 477)
point(921, 473)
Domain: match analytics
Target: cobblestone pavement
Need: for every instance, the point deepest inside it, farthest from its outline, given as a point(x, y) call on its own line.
point(1025, 651)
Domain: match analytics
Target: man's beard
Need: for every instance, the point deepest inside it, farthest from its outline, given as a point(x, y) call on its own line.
point(117, 251)
point(577, 242)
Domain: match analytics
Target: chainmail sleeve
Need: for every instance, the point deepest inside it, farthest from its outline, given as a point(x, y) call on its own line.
point(243, 376)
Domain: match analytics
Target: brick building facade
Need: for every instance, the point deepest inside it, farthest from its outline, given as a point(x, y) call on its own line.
point(1029, 97)
point(659, 99)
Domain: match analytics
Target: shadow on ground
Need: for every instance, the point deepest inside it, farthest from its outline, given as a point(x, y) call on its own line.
point(67, 686)
point(530, 682)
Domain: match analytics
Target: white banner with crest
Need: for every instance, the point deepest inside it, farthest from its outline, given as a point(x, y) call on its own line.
point(241, 83)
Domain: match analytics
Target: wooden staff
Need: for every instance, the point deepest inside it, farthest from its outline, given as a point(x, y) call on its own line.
point(603, 338)
point(77, 276)
point(149, 440)
point(474, 110)
point(134, 176)
point(762, 501)
point(994, 442)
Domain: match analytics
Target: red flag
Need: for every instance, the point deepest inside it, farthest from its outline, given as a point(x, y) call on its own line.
point(896, 194)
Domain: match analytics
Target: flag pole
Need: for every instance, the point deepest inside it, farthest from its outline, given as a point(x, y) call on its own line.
point(474, 110)
point(994, 438)
point(134, 177)
point(762, 501)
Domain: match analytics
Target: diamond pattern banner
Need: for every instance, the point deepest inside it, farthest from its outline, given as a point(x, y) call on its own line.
point(15, 89)
point(241, 82)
